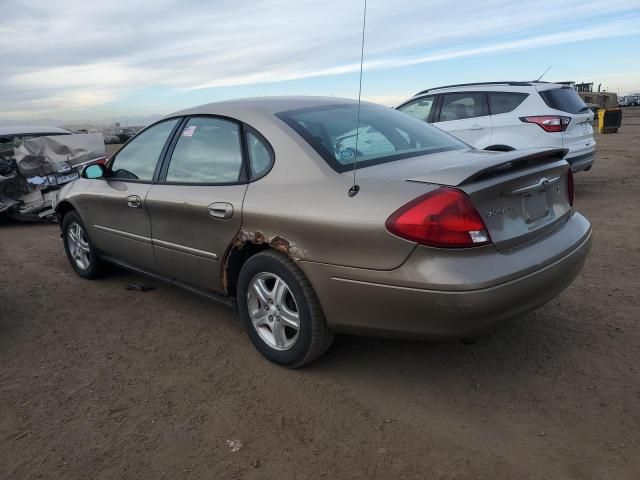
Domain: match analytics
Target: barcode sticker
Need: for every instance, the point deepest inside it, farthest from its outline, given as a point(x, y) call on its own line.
point(188, 131)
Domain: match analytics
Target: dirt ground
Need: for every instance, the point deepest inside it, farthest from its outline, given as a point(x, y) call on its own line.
point(99, 382)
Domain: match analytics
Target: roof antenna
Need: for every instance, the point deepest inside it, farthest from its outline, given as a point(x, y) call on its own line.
point(356, 188)
point(544, 73)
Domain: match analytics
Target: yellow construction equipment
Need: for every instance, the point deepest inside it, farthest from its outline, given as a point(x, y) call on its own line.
point(605, 106)
point(609, 119)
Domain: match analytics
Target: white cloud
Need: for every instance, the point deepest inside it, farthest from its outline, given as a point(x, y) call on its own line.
point(69, 54)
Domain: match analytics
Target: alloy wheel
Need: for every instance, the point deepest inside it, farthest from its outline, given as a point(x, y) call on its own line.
point(78, 246)
point(273, 311)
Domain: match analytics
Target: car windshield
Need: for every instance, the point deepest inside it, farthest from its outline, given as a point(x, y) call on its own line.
point(384, 135)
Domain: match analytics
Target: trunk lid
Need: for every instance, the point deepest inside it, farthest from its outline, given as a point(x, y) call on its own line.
point(520, 195)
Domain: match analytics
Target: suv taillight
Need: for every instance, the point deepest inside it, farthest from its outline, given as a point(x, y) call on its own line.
point(442, 218)
point(549, 123)
point(570, 187)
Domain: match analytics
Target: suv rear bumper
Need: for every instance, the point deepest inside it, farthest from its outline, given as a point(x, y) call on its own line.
point(582, 162)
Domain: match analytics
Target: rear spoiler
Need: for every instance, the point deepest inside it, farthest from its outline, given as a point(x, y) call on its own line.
point(494, 163)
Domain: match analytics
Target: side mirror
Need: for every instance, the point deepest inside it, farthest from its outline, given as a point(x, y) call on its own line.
point(94, 171)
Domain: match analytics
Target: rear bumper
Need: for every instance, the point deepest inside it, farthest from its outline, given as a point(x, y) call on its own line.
point(460, 293)
point(581, 162)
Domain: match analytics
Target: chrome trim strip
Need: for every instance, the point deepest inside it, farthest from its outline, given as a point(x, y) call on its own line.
point(183, 249)
point(541, 184)
point(120, 233)
point(160, 243)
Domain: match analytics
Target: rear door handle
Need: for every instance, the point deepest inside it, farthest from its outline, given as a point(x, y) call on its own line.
point(221, 210)
point(134, 201)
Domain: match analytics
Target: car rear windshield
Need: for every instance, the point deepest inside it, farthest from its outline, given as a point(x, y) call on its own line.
point(384, 134)
point(564, 99)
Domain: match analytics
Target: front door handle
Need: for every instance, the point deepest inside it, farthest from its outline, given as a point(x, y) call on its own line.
point(476, 127)
point(134, 201)
point(221, 210)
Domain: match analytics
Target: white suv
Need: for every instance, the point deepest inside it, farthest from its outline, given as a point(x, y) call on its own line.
point(511, 116)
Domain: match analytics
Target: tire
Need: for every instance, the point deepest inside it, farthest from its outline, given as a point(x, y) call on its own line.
point(295, 349)
point(72, 225)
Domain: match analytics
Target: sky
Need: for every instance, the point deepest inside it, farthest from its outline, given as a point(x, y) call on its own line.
point(97, 61)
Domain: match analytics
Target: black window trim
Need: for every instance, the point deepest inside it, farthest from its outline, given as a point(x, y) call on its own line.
point(166, 160)
point(162, 165)
point(246, 176)
point(161, 157)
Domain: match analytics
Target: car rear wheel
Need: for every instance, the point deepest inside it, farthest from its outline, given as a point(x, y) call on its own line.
point(80, 251)
point(280, 311)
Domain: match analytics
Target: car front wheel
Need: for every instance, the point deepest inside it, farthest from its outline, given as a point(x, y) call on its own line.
point(280, 310)
point(80, 251)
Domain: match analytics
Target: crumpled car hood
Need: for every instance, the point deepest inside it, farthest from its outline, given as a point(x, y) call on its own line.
point(46, 155)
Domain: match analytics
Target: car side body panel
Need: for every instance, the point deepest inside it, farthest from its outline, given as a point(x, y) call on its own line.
point(114, 226)
point(191, 232)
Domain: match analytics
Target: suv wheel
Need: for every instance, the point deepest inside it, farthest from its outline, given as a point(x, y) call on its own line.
point(80, 251)
point(280, 310)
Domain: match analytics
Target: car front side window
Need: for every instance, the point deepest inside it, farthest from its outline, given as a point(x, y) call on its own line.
point(209, 150)
point(420, 108)
point(138, 159)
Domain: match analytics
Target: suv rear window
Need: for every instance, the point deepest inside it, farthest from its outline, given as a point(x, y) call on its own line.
point(384, 134)
point(564, 99)
point(503, 102)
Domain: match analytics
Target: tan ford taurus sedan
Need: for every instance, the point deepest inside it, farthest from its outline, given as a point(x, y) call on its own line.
point(251, 202)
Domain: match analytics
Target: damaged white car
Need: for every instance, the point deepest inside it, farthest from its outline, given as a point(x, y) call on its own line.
point(36, 161)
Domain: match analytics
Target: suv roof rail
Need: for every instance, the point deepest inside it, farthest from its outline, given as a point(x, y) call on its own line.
point(515, 84)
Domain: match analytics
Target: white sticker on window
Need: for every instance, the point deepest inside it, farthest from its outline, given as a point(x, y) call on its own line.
point(188, 131)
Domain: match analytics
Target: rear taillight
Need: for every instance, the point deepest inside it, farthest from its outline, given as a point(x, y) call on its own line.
point(442, 218)
point(549, 123)
point(570, 187)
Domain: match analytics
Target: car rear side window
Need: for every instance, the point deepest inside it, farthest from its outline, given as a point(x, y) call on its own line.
point(384, 134)
point(504, 102)
point(138, 159)
point(208, 150)
point(564, 99)
point(420, 108)
point(458, 106)
point(260, 155)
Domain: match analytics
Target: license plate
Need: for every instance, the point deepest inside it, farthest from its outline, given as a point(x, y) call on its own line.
point(535, 206)
point(69, 177)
